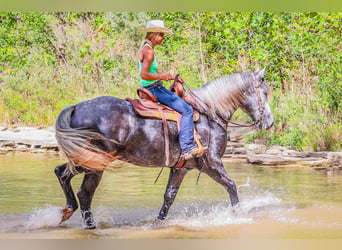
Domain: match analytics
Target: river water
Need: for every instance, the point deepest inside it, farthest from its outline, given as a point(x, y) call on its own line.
point(275, 202)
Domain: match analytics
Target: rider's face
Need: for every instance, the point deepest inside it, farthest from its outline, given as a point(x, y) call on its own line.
point(159, 38)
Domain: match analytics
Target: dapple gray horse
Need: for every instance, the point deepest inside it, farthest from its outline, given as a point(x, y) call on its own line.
point(96, 132)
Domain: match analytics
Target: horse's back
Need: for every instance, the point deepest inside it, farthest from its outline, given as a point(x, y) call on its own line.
point(96, 112)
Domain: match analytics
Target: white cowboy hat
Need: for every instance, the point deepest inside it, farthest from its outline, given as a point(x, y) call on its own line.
point(156, 26)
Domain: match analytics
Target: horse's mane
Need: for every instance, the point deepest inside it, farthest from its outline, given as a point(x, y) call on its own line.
point(224, 95)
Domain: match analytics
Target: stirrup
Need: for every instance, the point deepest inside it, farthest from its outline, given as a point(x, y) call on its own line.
point(201, 149)
point(196, 152)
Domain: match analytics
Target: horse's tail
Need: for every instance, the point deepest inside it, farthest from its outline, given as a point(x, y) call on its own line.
point(79, 145)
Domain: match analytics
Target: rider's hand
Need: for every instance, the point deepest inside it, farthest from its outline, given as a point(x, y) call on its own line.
point(180, 79)
point(167, 77)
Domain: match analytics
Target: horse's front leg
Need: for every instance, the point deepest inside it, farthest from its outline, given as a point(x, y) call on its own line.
point(216, 171)
point(175, 179)
point(64, 178)
point(85, 196)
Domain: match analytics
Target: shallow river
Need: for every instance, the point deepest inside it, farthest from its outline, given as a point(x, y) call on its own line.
point(275, 202)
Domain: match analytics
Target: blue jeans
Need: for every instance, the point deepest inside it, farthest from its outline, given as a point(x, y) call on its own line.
point(168, 98)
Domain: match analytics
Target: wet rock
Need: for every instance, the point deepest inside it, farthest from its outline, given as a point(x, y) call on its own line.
point(236, 144)
point(236, 138)
point(236, 156)
point(320, 164)
point(37, 151)
point(294, 153)
point(278, 148)
point(256, 148)
point(50, 147)
point(273, 152)
point(229, 150)
point(6, 150)
point(239, 151)
point(335, 158)
point(21, 148)
point(265, 159)
point(8, 144)
point(318, 154)
point(3, 151)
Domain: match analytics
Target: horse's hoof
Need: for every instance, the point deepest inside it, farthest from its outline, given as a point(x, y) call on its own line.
point(66, 213)
point(89, 227)
point(160, 218)
point(88, 220)
point(236, 209)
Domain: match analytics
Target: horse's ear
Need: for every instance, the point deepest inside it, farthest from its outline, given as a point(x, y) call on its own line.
point(261, 74)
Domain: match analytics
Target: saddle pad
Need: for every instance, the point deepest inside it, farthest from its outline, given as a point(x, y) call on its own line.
point(149, 109)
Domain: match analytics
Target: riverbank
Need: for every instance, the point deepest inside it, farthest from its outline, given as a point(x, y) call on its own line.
point(27, 139)
point(257, 153)
point(35, 140)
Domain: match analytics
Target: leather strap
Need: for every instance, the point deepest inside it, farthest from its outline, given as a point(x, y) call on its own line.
point(166, 136)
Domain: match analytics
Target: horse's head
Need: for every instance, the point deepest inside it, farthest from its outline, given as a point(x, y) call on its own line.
point(256, 103)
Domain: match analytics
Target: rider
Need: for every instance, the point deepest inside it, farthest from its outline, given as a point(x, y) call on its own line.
point(151, 79)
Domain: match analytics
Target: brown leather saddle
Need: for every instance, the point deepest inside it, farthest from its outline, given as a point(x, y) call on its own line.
point(147, 106)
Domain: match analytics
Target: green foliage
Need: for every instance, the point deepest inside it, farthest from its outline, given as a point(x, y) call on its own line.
point(22, 32)
point(50, 60)
point(326, 137)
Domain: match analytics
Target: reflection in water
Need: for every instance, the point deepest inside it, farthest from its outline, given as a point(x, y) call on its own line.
point(280, 202)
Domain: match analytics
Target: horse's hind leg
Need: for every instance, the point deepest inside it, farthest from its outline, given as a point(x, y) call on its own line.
point(217, 172)
point(64, 179)
point(175, 179)
point(85, 196)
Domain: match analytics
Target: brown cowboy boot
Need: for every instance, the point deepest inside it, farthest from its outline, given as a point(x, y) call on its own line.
point(196, 152)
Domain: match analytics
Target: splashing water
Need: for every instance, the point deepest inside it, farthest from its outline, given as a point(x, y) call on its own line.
point(254, 202)
point(48, 216)
point(200, 213)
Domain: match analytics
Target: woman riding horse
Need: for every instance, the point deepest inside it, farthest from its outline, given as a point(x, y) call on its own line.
point(151, 79)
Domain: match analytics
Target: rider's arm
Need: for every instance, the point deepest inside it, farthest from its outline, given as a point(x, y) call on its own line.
point(147, 59)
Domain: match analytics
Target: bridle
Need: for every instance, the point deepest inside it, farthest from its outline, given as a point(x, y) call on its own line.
point(257, 86)
point(260, 121)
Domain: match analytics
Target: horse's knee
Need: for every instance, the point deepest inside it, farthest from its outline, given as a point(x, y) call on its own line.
point(59, 170)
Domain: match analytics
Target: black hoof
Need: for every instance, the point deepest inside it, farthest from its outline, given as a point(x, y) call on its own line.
point(89, 227)
point(160, 218)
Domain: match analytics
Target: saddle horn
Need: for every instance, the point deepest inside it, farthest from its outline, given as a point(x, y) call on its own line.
point(177, 87)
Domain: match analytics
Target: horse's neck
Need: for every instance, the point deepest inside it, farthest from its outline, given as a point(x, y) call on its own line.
point(211, 104)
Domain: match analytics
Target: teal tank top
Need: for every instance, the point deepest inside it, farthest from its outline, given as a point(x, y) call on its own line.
point(152, 70)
